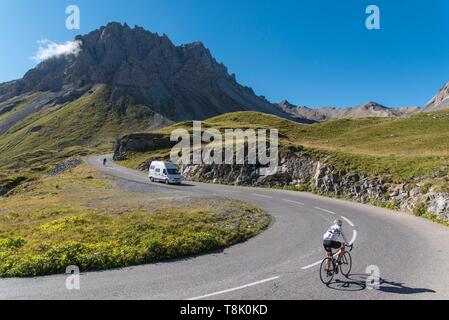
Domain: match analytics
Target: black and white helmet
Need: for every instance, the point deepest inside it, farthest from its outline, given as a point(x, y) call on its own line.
point(338, 222)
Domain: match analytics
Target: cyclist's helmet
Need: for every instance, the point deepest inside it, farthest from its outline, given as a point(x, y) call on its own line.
point(339, 222)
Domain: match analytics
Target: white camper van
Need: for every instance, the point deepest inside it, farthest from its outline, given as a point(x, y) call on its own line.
point(164, 171)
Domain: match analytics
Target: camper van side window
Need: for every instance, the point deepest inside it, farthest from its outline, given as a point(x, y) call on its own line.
point(152, 167)
point(158, 170)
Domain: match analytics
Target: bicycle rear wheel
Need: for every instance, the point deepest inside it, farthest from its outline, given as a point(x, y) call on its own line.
point(326, 276)
point(346, 264)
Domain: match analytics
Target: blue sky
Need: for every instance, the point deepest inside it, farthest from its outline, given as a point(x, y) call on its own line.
point(315, 53)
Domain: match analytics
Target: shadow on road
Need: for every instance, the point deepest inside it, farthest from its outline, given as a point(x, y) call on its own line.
point(186, 184)
point(358, 282)
point(182, 184)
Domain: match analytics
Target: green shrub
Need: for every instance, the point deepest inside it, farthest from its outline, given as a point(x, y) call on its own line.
point(63, 223)
point(155, 249)
point(11, 243)
point(426, 188)
point(420, 210)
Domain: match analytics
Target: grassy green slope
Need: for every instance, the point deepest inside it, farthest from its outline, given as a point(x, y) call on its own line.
point(400, 149)
point(90, 124)
point(92, 120)
point(426, 133)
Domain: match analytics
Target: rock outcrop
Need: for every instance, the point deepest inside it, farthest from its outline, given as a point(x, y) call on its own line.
point(3, 189)
point(9, 183)
point(303, 171)
point(64, 166)
point(140, 142)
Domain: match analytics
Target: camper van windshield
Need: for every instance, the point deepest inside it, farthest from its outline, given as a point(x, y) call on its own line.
point(172, 171)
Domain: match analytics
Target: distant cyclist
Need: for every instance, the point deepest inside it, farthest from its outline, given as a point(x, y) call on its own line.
point(104, 161)
point(330, 241)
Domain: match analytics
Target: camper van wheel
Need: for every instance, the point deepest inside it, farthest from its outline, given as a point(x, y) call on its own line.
point(151, 179)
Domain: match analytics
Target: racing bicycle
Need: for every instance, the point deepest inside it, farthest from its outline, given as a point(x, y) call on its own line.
point(341, 264)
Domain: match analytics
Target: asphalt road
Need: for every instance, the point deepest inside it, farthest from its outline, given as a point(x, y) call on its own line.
point(412, 255)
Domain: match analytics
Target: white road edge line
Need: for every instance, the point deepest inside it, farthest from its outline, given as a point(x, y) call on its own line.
point(235, 289)
point(263, 196)
point(348, 221)
point(297, 202)
point(354, 236)
point(325, 210)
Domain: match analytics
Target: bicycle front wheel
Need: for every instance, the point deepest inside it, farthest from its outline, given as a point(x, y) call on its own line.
point(325, 275)
point(346, 264)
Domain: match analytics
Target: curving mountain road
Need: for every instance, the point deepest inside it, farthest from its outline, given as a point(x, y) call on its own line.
point(411, 253)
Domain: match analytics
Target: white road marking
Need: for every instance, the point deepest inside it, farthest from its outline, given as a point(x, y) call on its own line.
point(348, 221)
point(311, 265)
point(292, 201)
point(354, 236)
point(325, 210)
point(263, 196)
point(235, 289)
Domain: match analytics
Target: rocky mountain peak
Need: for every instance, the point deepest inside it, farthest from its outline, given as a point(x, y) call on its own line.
point(180, 82)
point(439, 101)
point(369, 109)
point(371, 105)
point(286, 104)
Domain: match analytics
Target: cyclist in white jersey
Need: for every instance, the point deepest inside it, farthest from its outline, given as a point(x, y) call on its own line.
point(330, 240)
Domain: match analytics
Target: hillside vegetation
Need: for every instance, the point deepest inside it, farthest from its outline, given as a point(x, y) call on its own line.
point(9, 110)
point(400, 149)
point(81, 218)
point(424, 132)
point(92, 120)
point(90, 124)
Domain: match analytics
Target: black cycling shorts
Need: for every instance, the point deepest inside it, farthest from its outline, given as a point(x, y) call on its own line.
point(330, 244)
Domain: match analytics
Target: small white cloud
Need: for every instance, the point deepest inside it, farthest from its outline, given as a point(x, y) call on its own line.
point(48, 49)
